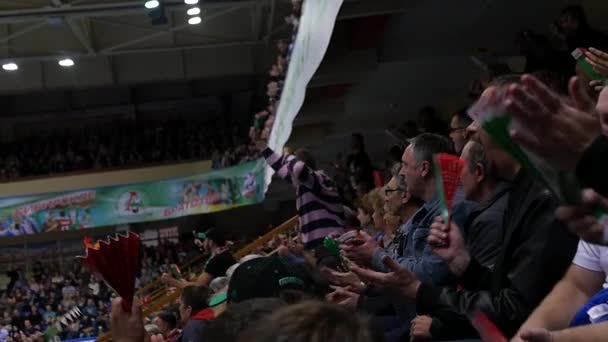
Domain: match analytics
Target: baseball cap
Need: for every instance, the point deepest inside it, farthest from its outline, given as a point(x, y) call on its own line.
point(267, 277)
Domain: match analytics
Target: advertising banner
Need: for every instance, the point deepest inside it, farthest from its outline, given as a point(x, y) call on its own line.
point(141, 202)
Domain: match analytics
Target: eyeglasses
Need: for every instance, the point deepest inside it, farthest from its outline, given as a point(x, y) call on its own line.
point(456, 129)
point(389, 191)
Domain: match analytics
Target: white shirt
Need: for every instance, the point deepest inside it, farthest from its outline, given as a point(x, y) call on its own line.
point(593, 258)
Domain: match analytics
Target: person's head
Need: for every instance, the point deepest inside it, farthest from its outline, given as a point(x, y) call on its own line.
point(458, 129)
point(48, 308)
point(27, 324)
point(417, 163)
point(166, 322)
point(365, 210)
point(505, 165)
point(238, 317)
point(478, 171)
point(306, 157)
point(312, 322)
point(214, 238)
point(193, 300)
point(377, 203)
point(90, 302)
point(357, 143)
point(571, 19)
point(270, 277)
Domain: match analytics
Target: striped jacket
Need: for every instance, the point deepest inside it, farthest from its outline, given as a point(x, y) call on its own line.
point(319, 206)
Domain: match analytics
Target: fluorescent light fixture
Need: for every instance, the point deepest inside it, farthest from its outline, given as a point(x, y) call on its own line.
point(67, 62)
point(191, 2)
point(10, 66)
point(152, 4)
point(194, 11)
point(194, 20)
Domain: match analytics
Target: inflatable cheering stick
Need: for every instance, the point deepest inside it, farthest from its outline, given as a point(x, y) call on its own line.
point(115, 262)
point(447, 170)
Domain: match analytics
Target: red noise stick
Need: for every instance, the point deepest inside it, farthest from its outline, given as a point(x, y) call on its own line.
point(447, 169)
point(487, 330)
point(115, 261)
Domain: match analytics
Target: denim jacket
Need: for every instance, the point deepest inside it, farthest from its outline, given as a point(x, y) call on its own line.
point(413, 251)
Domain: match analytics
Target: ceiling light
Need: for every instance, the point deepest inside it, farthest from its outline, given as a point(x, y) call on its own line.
point(10, 66)
point(191, 2)
point(194, 11)
point(194, 20)
point(67, 62)
point(152, 4)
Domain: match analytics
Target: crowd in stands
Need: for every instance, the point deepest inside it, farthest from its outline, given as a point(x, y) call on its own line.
point(35, 302)
point(382, 259)
point(120, 145)
point(518, 249)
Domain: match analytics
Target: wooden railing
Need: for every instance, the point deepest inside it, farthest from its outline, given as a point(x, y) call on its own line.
point(163, 296)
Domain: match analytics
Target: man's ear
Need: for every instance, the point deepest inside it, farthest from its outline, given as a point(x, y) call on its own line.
point(406, 197)
point(425, 168)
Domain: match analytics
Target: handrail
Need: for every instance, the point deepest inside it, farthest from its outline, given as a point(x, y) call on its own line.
point(287, 225)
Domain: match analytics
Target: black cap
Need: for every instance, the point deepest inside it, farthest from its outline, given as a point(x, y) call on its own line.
point(267, 277)
point(217, 236)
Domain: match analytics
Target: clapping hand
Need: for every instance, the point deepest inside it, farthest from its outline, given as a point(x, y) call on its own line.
point(398, 280)
point(345, 297)
point(581, 219)
point(448, 244)
point(362, 253)
point(599, 60)
point(552, 128)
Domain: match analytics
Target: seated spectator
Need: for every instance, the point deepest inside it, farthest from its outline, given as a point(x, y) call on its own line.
point(194, 313)
point(167, 323)
point(312, 321)
point(359, 166)
point(458, 130)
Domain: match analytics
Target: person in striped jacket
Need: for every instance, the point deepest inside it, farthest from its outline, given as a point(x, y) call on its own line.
point(320, 208)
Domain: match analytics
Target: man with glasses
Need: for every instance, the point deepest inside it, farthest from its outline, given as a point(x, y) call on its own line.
point(458, 130)
point(413, 252)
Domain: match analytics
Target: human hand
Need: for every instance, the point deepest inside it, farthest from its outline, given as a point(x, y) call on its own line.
point(535, 335)
point(420, 328)
point(602, 108)
point(343, 279)
point(345, 297)
point(361, 254)
point(399, 280)
point(127, 327)
point(597, 85)
point(558, 131)
point(581, 220)
point(448, 244)
point(598, 59)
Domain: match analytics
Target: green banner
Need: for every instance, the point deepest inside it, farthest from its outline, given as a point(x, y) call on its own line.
point(141, 202)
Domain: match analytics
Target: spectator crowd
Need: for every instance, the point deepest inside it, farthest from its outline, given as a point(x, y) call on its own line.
point(121, 145)
point(521, 255)
point(35, 303)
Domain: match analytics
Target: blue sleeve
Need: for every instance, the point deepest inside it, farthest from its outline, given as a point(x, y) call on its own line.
point(428, 268)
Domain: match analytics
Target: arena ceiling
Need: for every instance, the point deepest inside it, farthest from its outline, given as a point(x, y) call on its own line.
point(113, 42)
